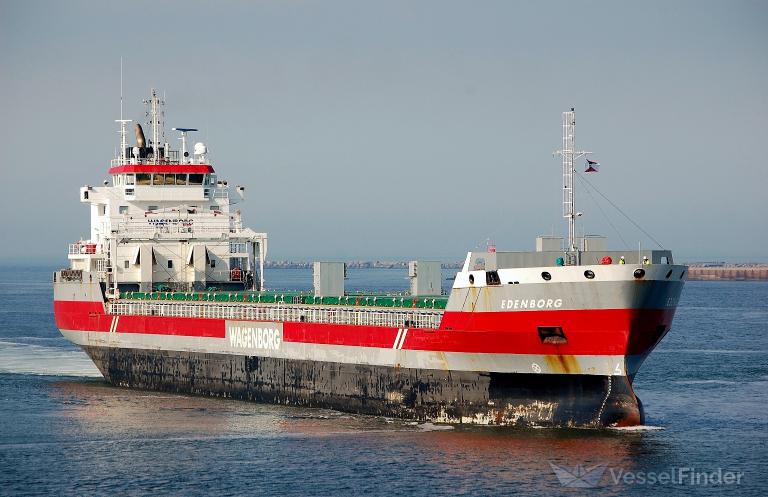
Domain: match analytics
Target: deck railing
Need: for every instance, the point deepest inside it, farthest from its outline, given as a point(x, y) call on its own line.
point(84, 248)
point(282, 312)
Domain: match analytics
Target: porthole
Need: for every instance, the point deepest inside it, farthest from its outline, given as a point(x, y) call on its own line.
point(546, 276)
point(589, 274)
point(639, 273)
point(471, 279)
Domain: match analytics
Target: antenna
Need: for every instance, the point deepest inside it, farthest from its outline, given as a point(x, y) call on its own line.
point(121, 87)
point(569, 154)
point(122, 121)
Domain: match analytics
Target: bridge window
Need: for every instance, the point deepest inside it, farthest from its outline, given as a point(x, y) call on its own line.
point(143, 179)
point(195, 179)
point(181, 179)
point(123, 209)
point(130, 179)
point(158, 179)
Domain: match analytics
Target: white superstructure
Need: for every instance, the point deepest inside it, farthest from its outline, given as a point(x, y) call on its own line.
point(166, 221)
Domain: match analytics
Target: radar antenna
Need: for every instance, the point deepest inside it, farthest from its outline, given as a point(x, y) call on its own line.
point(183, 139)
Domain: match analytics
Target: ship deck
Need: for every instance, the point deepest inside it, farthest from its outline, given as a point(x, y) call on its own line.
point(356, 310)
point(398, 301)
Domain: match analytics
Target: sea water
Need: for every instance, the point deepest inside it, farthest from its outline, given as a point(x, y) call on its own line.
point(64, 431)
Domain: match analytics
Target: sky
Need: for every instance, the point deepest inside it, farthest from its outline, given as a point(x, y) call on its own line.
point(399, 130)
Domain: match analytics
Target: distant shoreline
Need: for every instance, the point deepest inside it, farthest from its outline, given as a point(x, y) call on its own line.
point(728, 272)
point(355, 265)
point(698, 271)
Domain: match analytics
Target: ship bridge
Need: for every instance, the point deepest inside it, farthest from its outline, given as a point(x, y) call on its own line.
point(165, 221)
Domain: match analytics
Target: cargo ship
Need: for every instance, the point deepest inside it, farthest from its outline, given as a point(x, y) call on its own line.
point(169, 293)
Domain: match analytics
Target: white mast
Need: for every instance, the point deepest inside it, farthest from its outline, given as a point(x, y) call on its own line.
point(156, 121)
point(570, 154)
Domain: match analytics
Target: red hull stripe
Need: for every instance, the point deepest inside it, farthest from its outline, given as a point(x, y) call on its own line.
point(90, 316)
point(589, 332)
point(611, 331)
point(162, 168)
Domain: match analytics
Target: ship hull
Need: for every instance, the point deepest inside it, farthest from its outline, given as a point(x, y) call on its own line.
point(477, 362)
point(465, 397)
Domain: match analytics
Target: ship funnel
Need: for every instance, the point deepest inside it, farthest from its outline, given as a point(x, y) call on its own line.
point(141, 142)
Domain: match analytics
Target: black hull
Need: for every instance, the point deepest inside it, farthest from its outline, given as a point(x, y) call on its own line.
point(416, 394)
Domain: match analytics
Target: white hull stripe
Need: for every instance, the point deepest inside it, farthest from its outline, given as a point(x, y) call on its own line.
point(113, 326)
point(397, 338)
point(391, 357)
point(401, 338)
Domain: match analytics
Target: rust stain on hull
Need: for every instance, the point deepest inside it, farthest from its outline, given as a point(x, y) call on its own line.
point(567, 364)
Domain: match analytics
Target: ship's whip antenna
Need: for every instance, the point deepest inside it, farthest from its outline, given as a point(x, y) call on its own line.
point(121, 156)
point(121, 88)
